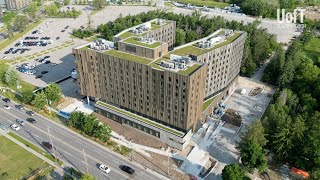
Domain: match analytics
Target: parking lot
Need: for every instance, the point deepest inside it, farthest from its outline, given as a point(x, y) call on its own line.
point(56, 34)
point(250, 109)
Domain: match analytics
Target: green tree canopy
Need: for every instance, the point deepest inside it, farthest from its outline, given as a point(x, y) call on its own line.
point(53, 92)
point(233, 172)
point(11, 77)
point(40, 100)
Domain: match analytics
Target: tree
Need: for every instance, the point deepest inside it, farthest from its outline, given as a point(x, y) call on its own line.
point(40, 100)
point(256, 133)
point(8, 17)
point(53, 92)
point(98, 4)
point(252, 156)
point(11, 77)
point(27, 96)
point(66, 2)
point(233, 172)
point(31, 10)
point(180, 37)
point(20, 23)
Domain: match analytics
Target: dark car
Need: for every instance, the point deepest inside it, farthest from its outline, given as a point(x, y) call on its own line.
point(48, 145)
point(6, 100)
point(31, 113)
point(66, 27)
point(57, 38)
point(46, 57)
point(44, 72)
point(31, 120)
point(35, 32)
point(127, 169)
point(39, 76)
point(20, 107)
point(63, 30)
point(47, 62)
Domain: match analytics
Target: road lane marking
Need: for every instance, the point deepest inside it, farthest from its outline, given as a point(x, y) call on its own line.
point(57, 139)
point(64, 152)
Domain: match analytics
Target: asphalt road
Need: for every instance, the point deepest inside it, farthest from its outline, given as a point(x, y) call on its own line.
point(70, 147)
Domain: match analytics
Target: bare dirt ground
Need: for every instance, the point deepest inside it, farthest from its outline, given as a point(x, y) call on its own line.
point(313, 13)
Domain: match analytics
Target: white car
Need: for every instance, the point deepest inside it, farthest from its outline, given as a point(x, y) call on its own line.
point(104, 168)
point(6, 107)
point(21, 122)
point(15, 127)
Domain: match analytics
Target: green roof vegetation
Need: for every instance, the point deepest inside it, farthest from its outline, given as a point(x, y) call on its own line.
point(156, 64)
point(139, 118)
point(125, 35)
point(186, 51)
point(85, 48)
point(198, 51)
point(189, 70)
point(207, 103)
point(133, 40)
point(129, 57)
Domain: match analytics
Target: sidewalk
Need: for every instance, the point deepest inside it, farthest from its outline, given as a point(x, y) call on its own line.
point(58, 169)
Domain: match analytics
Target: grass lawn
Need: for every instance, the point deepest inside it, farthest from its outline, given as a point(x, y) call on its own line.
point(16, 36)
point(129, 57)
point(32, 146)
point(208, 3)
point(312, 49)
point(16, 161)
point(207, 103)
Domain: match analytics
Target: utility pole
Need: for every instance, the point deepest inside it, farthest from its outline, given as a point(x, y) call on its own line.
point(85, 160)
point(54, 154)
point(168, 161)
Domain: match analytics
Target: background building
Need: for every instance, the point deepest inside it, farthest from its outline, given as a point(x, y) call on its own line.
point(15, 5)
point(141, 84)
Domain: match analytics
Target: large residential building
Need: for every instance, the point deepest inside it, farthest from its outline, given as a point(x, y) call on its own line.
point(139, 82)
point(14, 4)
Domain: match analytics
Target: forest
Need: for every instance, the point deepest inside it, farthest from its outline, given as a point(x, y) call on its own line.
point(292, 120)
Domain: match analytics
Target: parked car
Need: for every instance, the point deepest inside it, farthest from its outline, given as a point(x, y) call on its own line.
point(39, 76)
point(20, 107)
point(46, 57)
point(15, 127)
point(31, 120)
point(63, 30)
point(21, 122)
point(47, 62)
point(53, 64)
point(31, 113)
point(127, 169)
point(6, 100)
point(47, 145)
point(44, 72)
point(104, 168)
point(57, 38)
point(6, 107)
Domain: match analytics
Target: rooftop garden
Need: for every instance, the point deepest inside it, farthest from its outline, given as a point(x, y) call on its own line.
point(189, 70)
point(140, 118)
point(198, 51)
point(133, 40)
point(207, 103)
point(129, 57)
